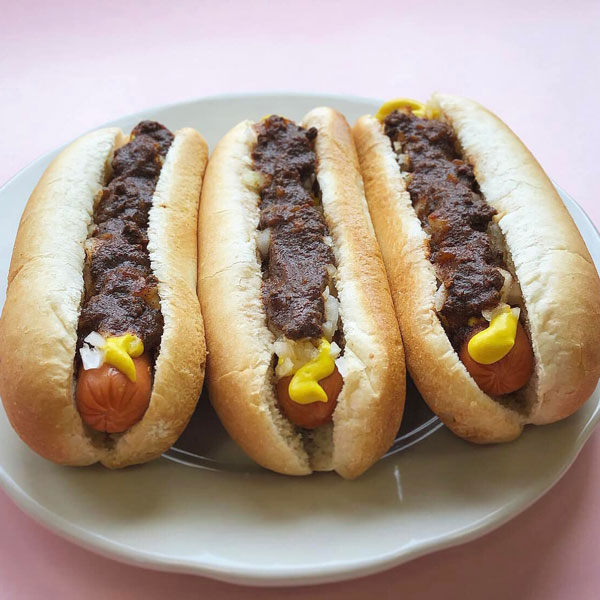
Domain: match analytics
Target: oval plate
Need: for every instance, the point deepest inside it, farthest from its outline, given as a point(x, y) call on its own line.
point(265, 529)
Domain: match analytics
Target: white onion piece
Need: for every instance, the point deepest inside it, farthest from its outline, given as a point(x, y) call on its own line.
point(489, 314)
point(403, 161)
point(292, 354)
point(285, 368)
point(263, 239)
point(342, 366)
point(506, 286)
point(95, 339)
point(280, 346)
point(331, 316)
point(253, 180)
point(515, 296)
point(440, 297)
point(91, 358)
point(89, 244)
point(334, 350)
point(249, 180)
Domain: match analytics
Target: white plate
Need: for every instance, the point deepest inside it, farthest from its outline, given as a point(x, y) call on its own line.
point(261, 528)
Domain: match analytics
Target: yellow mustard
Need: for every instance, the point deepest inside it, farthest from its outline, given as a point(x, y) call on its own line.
point(495, 342)
point(118, 352)
point(418, 108)
point(304, 387)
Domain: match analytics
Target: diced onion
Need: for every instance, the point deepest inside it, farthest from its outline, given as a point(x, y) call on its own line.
point(249, 179)
point(292, 354)
point(91, 358)
point(89, 244)
point(253, 180)
point(249, 137)
point(331, 316)
point(331, 271)
point(440, 297)
point(506, 286)
point(263, 239)
point(95, 339)
point(403, 161)
point(489, 314)
point(342, 366)
point(285, 368)
point(334, 350)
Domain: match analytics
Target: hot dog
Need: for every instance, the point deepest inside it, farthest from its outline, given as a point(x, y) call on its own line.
point(102, 356)
point(496, 294)
point(305, 362)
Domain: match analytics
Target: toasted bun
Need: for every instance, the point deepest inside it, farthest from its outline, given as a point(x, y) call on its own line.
point(558, 280)
point(240, 345)
point(38, 327)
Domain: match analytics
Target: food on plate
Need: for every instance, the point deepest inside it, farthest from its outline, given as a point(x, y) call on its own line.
point(102, 355)
point(496, 294)
point(305, 362)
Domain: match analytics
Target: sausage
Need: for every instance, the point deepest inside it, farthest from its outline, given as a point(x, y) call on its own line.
point(109, 401)
point(506, 375)
point(314, 414)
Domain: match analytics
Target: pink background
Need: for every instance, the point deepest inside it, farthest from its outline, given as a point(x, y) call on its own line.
point(66, 67)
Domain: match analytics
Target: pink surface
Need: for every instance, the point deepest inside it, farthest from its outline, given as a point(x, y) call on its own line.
point(68, 66)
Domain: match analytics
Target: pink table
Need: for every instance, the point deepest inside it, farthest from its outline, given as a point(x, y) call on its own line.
point(68, 67)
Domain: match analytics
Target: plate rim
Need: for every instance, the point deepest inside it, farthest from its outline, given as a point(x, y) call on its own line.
point(278, 575)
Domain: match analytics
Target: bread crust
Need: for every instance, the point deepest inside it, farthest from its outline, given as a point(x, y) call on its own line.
point(240, 345)
point(559, 282)
point(38, 327)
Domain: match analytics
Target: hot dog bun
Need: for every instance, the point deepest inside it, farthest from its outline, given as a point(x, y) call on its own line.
point(240, 360)
point(38, 327)
point(558, 280)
